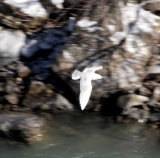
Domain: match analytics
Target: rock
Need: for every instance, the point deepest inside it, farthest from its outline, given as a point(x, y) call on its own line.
point(2, 89)
point(11, 87)
point(61, 103)
point(131, 100)
point(154, 7)
point(42, 97)
point(12, 98)
point(25, 128)
point(141, 115)
point(144, 91)
point(19, 109)
point(23, 72)
point(155, 117)
point(154, 70)
point(156, 94)
point(35, 16)
point(57, 104)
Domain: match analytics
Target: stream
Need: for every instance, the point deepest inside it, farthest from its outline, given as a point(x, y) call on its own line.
point(88, 136)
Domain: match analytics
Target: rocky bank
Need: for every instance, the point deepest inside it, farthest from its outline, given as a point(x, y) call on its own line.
point(38, 54)
point(23, 128)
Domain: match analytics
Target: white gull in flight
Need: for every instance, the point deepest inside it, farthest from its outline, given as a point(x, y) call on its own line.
point(85, 83)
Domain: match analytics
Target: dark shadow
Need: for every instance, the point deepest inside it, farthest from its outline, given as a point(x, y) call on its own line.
point(62, 87)
point(27, 83)
point(109, 105)
point(41, 60)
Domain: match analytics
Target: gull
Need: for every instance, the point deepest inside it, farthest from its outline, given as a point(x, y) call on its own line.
point(85, 83)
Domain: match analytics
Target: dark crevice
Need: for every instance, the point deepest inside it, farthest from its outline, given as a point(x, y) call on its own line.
point(63, 88)
point(109, 105)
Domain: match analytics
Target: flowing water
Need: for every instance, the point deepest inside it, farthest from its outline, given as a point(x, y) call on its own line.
point(88, 136)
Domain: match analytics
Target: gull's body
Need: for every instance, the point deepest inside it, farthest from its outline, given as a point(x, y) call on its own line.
point(85, 83)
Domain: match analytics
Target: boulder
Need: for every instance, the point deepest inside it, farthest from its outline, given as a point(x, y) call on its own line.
point(12, 98)
point(141, 115)
point(131, 100)
point(23, 71)
point(155, 117)
point(25, 128)
point(42, 97)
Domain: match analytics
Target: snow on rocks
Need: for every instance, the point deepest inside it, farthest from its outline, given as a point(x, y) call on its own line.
point(111, 28)
point(30, 7)
point(86, 24)
point(58, 3)
point(11, 43)
point(138, 21)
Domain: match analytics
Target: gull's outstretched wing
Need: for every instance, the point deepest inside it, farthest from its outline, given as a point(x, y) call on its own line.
point(96, 76)
point(76, 75)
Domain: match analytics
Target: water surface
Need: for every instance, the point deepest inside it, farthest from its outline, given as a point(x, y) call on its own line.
point(88, 136)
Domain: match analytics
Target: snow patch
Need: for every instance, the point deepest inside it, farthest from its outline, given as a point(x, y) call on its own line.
point(30, 7)
point(58, 3)
point(68, 56)
point(135, 21)
point(111, 28)
point(93, 29)
point(117, 37)
point(11, 43)
point(155, 69)
point(142, 20)
point(85, 22)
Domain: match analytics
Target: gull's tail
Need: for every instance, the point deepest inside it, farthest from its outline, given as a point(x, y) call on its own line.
point(83, 98)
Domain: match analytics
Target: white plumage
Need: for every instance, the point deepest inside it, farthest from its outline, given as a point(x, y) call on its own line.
point(85, 83)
